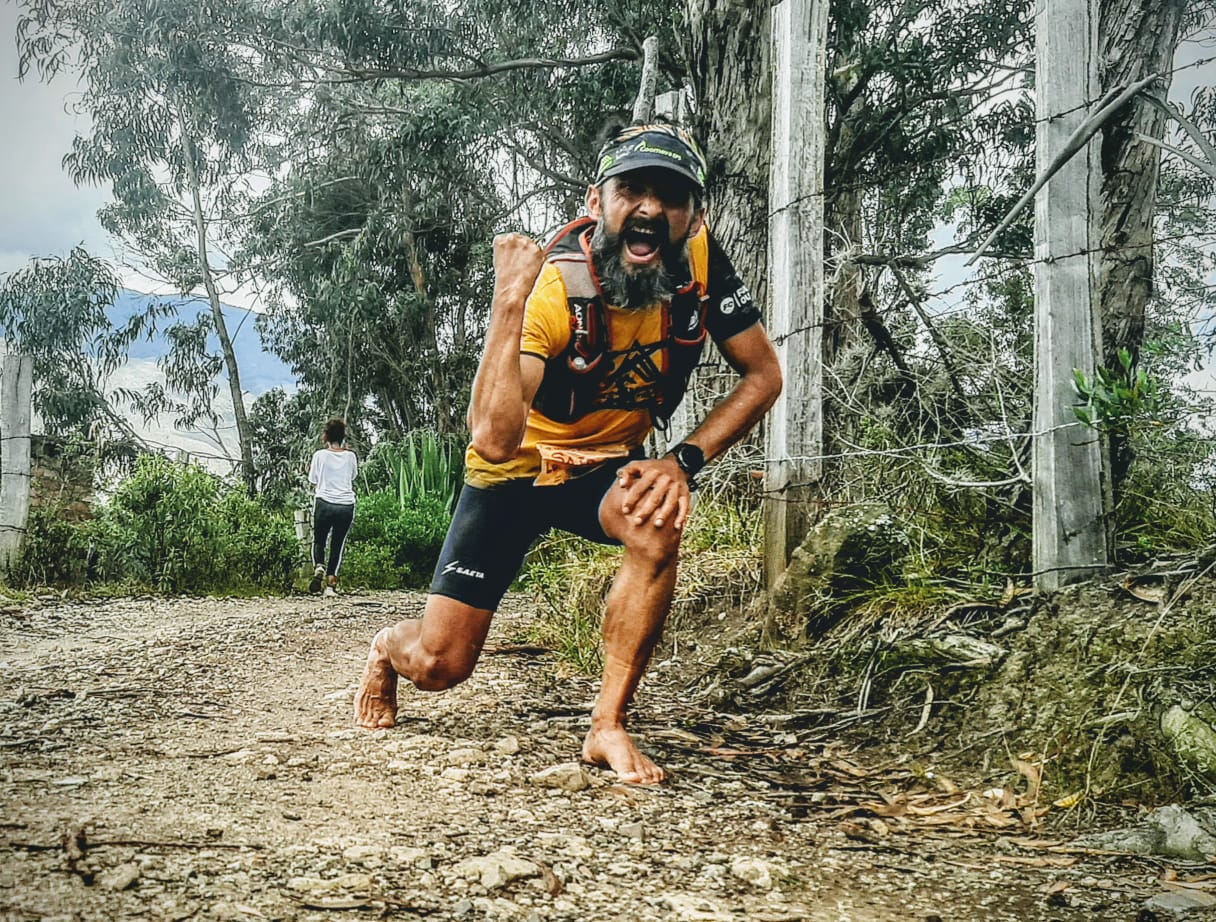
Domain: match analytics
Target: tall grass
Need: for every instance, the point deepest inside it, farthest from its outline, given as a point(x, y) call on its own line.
point(720, 563)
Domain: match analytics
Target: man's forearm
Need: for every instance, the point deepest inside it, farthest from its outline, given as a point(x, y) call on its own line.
point(497, 413)
point(498, 409)
point(736, 415)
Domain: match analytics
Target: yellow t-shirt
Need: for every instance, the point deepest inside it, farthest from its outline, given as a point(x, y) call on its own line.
point(639, 360)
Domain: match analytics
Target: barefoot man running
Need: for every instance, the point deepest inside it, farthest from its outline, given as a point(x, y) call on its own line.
point(589, 346)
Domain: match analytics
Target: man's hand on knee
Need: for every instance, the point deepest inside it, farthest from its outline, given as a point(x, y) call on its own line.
point(654, 491)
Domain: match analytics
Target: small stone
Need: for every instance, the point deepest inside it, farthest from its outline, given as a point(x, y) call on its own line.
point(1177, 902)
point(455, 774)
point(496, 869)
point(569, 776)
point(633, 831)
point(507, 746)
point(758, 873)
point(346, 883)
point(404, 856)
point(368, 856)
point(465, 756)
point(120, 878)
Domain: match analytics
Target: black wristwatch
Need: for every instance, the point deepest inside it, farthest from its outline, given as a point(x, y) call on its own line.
point(691, 460)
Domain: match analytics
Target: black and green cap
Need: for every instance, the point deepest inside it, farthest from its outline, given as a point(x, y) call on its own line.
point(641, 146)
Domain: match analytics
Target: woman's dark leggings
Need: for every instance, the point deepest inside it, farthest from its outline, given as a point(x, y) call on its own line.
point(330, 517)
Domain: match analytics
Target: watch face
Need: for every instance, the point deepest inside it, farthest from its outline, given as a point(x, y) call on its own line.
point(690, 458)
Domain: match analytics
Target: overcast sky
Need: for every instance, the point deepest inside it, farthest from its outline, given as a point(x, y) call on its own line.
point(41, 211)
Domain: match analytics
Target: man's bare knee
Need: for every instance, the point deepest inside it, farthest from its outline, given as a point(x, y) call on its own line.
point(438, 672)
point(658, 547)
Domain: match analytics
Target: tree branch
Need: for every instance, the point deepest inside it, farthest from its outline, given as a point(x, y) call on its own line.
point(1086, 130)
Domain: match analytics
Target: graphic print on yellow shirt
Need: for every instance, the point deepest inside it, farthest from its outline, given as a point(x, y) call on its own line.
point(636, 349)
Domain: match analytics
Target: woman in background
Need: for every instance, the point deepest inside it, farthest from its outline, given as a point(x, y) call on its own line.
point(332, 474)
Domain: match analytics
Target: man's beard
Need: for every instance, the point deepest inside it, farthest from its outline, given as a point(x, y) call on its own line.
point(635, 289)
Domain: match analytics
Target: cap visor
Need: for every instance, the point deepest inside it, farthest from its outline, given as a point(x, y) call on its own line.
point(647, 161)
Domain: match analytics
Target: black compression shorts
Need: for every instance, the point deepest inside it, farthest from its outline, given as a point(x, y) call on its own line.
point(493, 528)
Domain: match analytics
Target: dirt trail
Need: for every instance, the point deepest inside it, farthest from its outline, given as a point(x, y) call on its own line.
point(195, 759)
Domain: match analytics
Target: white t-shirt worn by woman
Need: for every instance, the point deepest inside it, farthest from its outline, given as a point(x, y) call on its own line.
point(333, 473)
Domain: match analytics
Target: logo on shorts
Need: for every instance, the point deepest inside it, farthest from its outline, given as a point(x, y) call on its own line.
point(455, 567)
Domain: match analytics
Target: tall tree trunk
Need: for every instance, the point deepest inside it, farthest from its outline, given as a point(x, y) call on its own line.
point(244, 431)
point(731, 76)
point(730, 71)
point(1137, 38)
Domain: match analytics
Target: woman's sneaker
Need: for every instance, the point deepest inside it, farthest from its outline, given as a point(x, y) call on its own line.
point(318, 577)
point(329, 590)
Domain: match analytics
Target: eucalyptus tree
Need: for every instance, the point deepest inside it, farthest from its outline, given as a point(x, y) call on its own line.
point(1139, 39)
point(174, 123)
point(426, 129)
point(54, 309)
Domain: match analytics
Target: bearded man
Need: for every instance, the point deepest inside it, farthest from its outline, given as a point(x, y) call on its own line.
point(590, 345)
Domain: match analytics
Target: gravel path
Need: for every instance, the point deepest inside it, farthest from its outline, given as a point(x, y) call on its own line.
point(195, 759)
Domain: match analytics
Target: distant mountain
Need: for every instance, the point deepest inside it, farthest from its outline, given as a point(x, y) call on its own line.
point(260, 371)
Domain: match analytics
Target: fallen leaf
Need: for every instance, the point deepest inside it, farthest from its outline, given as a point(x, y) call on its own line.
point(1136, 586)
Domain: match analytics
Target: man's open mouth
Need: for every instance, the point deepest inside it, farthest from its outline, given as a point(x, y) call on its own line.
point(642, 243)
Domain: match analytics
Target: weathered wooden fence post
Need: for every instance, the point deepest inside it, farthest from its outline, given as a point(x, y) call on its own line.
point(1070, 484)
point(795, 425)
point(16, 391)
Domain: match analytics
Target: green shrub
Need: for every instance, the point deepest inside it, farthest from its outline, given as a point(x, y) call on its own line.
point(394, 547)
point(178, 528)
point(54, 552)
point(159, 527)
point(257, 546)
point(423, 464)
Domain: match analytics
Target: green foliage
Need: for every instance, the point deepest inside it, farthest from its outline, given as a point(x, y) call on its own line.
point(1117, 399)
point(423, 465)
point(54, 309)
point(173, 114)
point(720, 562)
point(177, 528)
point(392, 546)
point(54, 552)
point(570, 577)
point(282, 426)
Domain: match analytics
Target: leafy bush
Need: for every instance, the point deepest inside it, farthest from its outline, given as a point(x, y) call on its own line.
point(177, 528)
point(54, 553)
point(159, 527)
point(258, 546)
point(392, 546)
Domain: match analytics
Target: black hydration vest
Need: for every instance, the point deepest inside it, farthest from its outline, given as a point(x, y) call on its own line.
point(572, 379)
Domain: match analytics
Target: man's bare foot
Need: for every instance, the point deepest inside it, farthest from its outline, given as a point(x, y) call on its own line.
point(613, 748)
point(376, 701)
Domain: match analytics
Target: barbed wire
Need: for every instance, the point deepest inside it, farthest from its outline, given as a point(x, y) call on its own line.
point(837, 188)
point(1169, 72)
point(980, 278)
